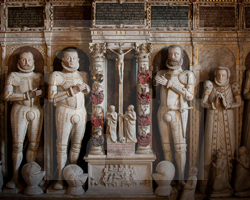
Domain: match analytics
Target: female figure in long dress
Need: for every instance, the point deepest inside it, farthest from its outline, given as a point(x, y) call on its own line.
point(220, 98)
point(111, 117)
point(130, 125)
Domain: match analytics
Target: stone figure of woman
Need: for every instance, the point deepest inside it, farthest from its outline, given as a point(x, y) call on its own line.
point(111, 117)
point(130, 125)
point(220, 98)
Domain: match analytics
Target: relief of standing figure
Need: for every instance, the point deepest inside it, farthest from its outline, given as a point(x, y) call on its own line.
point(130, 124)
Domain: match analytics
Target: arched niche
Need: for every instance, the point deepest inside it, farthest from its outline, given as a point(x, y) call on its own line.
point(84, 60)
point(159, 63)
point(214, 57)
point(13, 59)
point(84, 63)
point(12, 67)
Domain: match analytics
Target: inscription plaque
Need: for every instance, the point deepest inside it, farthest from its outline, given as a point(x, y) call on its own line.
point(19, 17)
point(247, 17)
point(120, 149)
point(165, 16)
point(114, 13)
point(211, 16)
point(78, 16)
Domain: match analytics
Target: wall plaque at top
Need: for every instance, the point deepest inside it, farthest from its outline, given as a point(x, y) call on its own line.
point(217, 17)
point(19, 17)
point(170, 16)
point(77, 16)
point(117, 14)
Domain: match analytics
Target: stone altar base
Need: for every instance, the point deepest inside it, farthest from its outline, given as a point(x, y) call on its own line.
point(120, 176)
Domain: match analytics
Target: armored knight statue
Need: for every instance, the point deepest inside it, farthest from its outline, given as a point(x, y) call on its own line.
point(66, 91)
point(177, 88)
point(22, 88)
point(220, 98)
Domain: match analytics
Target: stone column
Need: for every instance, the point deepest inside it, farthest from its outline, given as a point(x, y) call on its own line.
point(143, 99)
point(49, 140)
point(97, 117)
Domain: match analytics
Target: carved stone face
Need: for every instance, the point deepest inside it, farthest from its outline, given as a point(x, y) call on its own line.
point(175, 57)
point(221, 76)
point(70, 59)
point(26, 61)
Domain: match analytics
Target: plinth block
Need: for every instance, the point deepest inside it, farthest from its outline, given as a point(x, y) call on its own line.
point(120, 176)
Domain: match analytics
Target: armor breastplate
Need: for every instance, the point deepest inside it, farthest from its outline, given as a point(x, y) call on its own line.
point(27, 82)
point(70, 80)
point(170, 98)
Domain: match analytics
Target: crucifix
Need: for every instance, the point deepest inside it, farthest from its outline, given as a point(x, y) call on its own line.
point(120, 67)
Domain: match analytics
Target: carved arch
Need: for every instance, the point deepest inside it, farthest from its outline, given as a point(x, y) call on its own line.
point(14, 56)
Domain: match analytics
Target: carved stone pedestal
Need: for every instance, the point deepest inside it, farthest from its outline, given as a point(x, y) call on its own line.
point(120, 176)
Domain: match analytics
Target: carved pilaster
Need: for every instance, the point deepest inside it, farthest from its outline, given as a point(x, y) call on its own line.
point(97, 117)
point(143, 100)
point(3, 113)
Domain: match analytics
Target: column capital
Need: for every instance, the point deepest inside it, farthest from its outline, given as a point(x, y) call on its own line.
point(144, 48)
point(97, 50)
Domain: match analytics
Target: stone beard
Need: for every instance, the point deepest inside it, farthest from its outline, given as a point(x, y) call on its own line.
point(26, 113)
point(177, 87)
point(66, 91)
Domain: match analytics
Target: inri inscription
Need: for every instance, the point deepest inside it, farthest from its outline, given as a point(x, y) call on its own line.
point(211, 16)
point(78, 16)
point(247, 17)
point(165, 16)
point(114, 13)
point(19, 17)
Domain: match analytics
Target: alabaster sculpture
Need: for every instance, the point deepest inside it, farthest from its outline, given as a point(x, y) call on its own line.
point(242, 174)
point(130, 125)
point(177, 88)
point(22, 88)
point(190, 185)
point(66, 91)
point(165, 172)
point(32, 175)
point(111, 117)
point(220, 98)
point(220, 186)
point(120, 62)
point(75, 178)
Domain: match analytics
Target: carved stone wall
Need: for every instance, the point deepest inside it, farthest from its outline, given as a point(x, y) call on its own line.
point(206, 46)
